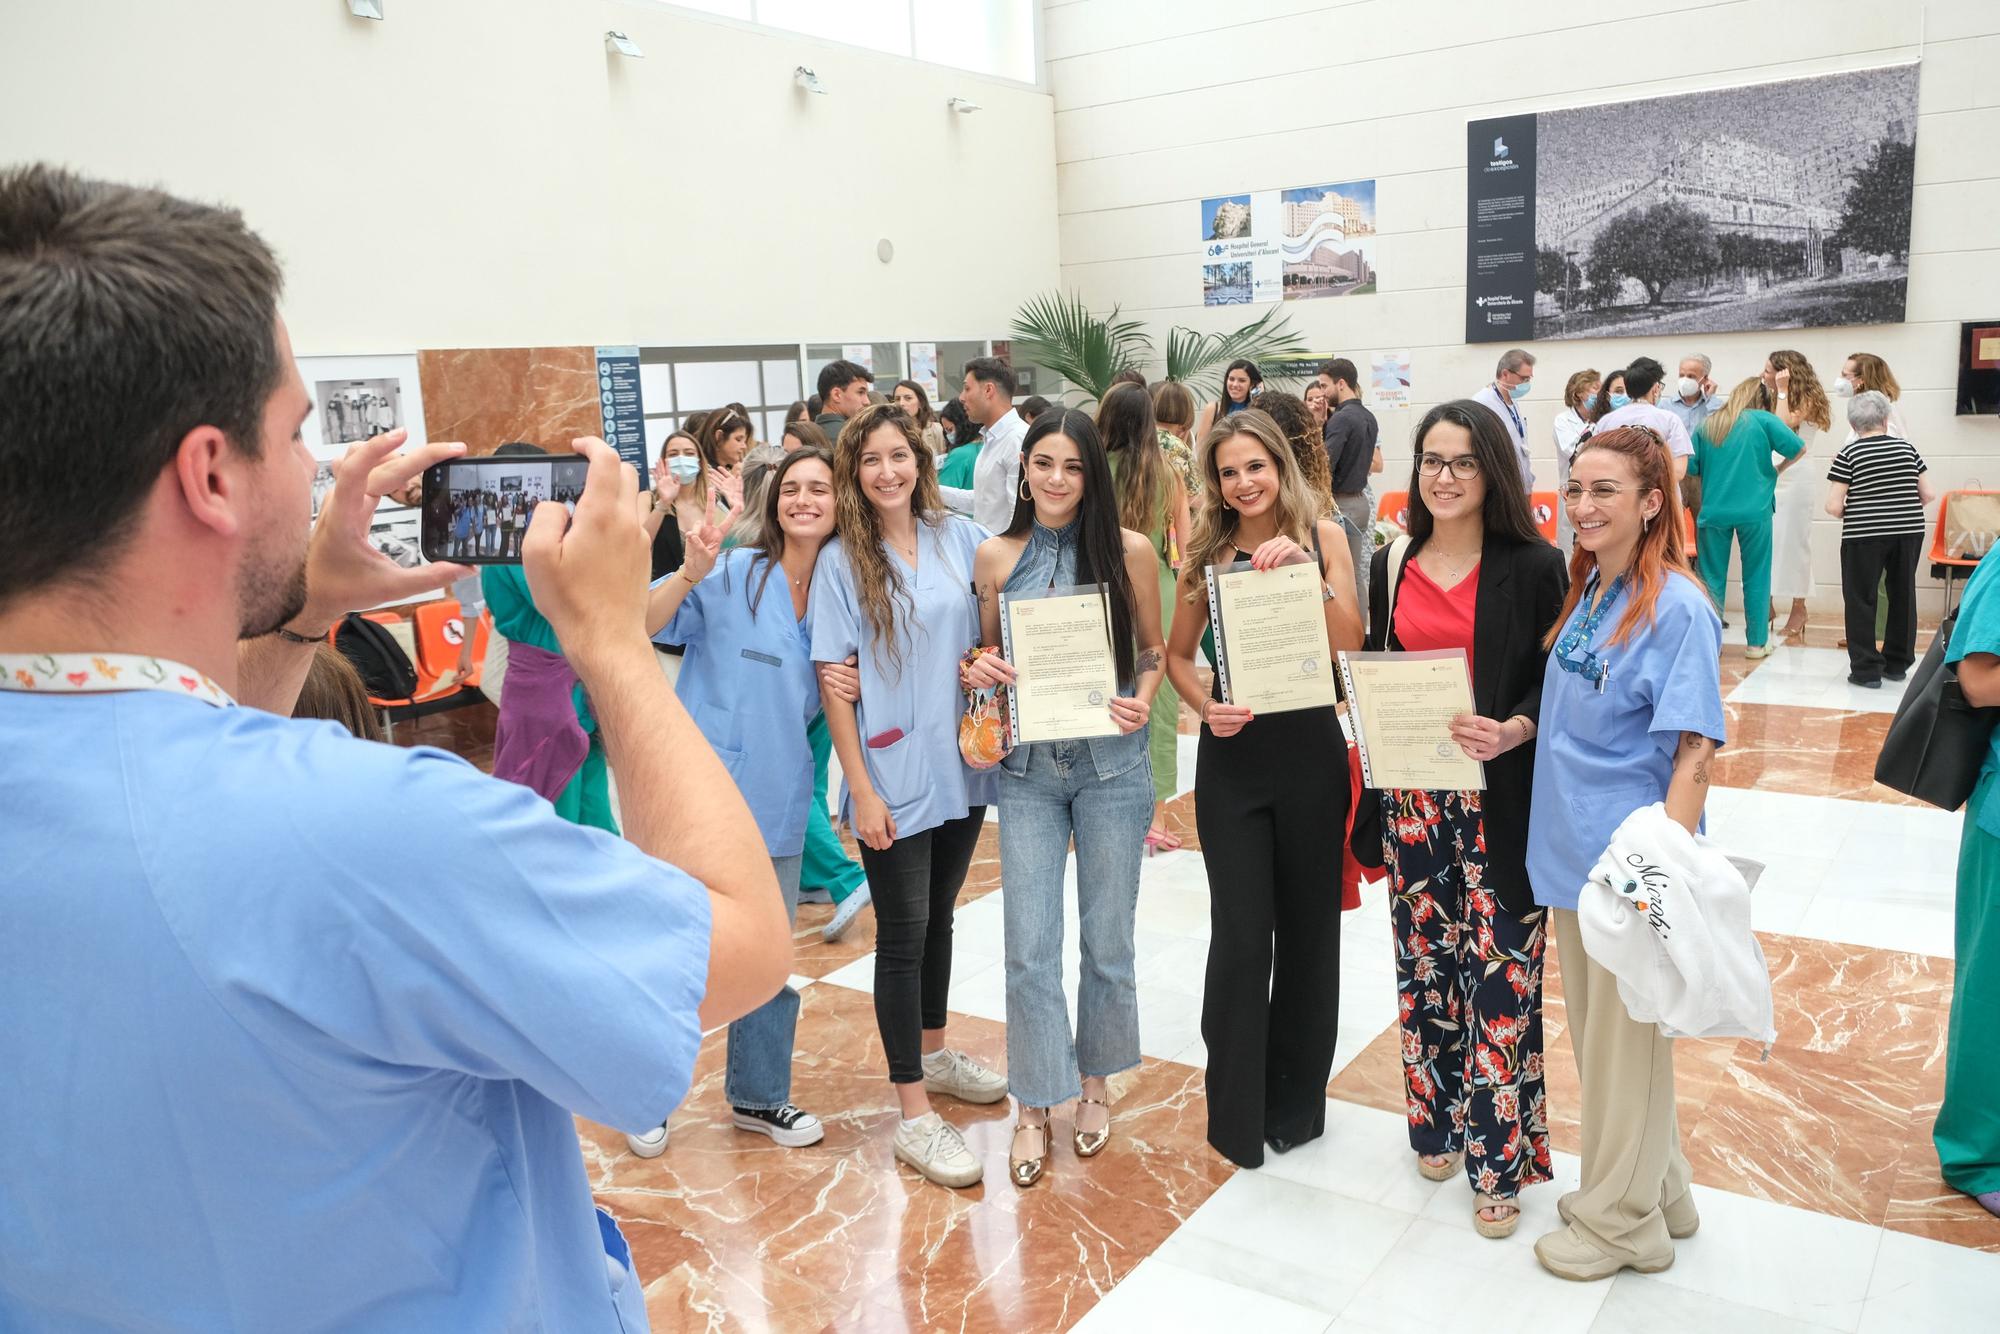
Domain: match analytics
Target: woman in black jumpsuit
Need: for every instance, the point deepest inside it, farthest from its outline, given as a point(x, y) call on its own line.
point(1271, 800)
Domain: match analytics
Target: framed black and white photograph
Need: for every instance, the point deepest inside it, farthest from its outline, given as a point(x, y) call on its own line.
point(355, 398)
point(355, 410)
point(1779, 205)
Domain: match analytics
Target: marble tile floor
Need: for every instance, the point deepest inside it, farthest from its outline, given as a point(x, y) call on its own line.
point(1818, 1185)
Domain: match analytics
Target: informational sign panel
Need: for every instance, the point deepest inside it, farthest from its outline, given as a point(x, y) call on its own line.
point(1500, 230)
point(619, 400)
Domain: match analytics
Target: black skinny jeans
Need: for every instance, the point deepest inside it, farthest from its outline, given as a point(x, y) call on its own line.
point(915, 884)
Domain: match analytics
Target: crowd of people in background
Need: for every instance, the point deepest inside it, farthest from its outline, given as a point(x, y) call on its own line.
point(995, 494)
point(839, 592)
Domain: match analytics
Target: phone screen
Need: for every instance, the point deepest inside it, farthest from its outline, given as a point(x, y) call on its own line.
point(476, 511)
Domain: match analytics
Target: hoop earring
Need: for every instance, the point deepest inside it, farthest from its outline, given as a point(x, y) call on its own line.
point(1023, 489)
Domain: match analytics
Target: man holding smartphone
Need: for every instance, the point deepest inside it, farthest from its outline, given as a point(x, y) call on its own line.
point(296, 1023)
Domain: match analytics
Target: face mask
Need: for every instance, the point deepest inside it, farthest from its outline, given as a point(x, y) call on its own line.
point(1519, 391)
point(684, 467)
point(1843, 388)
point(1590, 402)
point(1620, 400)
point(1689, 388)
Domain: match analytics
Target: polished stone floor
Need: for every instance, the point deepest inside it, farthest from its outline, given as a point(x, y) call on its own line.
point(1819, 1191)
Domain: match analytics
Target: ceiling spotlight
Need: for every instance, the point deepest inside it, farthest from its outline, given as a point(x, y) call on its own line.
point(365, 9)
point(618, 42)
point(964, 106)
point(806, 79)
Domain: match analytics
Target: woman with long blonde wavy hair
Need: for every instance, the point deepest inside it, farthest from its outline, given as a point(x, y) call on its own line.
point(1800, 402)
point(1267, 790)
point(894, 589)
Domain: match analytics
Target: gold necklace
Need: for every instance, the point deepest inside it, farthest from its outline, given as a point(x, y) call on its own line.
point(1454, 573)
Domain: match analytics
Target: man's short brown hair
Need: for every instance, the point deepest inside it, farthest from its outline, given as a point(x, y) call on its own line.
point(128, 318)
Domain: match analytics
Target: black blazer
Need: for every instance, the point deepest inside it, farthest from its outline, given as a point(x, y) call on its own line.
point(1521, 590)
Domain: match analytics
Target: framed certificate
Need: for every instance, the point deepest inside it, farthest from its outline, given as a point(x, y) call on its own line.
point(1270, 637)
point(1402, 705)
point(1065, 674)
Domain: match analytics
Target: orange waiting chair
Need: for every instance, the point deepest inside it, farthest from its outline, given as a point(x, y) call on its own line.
point(1395, 507)
point(1542, 508)
point(440, 630)
point(1947, 564)
point(427, 698)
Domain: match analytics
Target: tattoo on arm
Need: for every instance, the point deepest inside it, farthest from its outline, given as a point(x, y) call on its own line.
point(1703, 750)
point(1148, 661)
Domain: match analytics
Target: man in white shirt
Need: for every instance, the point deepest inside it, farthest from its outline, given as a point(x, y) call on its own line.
point(988, 396)
point(1644, 379)
point(1511, 379)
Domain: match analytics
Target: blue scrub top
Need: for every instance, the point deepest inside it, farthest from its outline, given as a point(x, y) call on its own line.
point(295, 1025)
point(921, 777)
point(1599, 757)
point(747, 678)
point(1978, 631)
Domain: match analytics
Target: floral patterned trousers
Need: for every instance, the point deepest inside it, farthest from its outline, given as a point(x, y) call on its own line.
point(1469, 995)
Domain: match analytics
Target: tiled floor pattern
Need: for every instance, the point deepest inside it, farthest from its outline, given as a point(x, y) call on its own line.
point(1819, 1190)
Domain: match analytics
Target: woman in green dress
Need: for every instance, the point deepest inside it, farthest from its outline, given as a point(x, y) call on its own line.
point(1151, 500)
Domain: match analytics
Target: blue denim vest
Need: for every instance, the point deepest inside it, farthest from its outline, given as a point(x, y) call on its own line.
point(1048, 560)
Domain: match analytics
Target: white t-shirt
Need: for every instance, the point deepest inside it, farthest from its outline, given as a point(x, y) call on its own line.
point(1670, 427)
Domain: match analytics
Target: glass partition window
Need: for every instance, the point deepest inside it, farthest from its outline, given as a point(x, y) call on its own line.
point(677, 382)
point(882, 360)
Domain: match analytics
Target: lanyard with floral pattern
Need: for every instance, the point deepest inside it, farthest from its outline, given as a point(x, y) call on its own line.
point(1573, 651)
point(98, 673)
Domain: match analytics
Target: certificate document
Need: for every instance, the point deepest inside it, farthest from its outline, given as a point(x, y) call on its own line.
point(1059, 640)
point(1270, 637)
point(1402, 706)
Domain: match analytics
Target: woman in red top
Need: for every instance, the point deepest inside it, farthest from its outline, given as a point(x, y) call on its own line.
point(1474, 574)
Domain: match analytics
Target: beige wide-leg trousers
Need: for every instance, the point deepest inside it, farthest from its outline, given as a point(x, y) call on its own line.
point(1632, 1160)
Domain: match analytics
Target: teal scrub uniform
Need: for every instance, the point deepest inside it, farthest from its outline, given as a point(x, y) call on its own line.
point(1738, 492)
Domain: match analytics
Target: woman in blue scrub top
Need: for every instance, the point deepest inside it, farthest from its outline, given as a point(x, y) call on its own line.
point(1096, 788)
point(895, 588)
point(747, 680)
point(1631, 715)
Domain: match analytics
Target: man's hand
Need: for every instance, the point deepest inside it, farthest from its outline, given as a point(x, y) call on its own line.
point(344, 571)
point(587, 571)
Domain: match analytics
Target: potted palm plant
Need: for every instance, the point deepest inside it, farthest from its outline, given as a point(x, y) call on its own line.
point(1059, 332)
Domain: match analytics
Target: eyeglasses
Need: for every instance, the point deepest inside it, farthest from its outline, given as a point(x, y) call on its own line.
point(1601, 492)
point(1465, 467)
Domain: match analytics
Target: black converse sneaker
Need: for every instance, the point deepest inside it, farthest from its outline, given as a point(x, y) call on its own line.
point(786, 1125)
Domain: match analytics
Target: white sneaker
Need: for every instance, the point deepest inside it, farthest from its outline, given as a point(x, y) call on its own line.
point(843, 916)
point(954, 1073)
point(934, 1147)
point(649, 1145)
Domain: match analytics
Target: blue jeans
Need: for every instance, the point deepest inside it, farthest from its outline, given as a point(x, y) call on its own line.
point(760, 1043)
point(1059, 795)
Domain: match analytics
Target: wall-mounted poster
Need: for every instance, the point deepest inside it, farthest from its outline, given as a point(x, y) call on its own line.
point(355, 398)
point(1776, 206)
point(1271, 245)
point(924, 367)
point(621, 404)
point(1389, 379)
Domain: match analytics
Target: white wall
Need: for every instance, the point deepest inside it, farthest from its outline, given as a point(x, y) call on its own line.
point(1160, 103)
point(480, 173)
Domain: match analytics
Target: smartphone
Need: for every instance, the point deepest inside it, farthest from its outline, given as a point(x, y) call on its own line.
point(476, 511)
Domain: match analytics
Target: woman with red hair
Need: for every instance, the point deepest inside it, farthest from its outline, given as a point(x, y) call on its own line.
point(1631, 715)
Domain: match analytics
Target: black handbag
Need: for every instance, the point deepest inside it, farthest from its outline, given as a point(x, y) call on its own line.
point(1937, 743)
